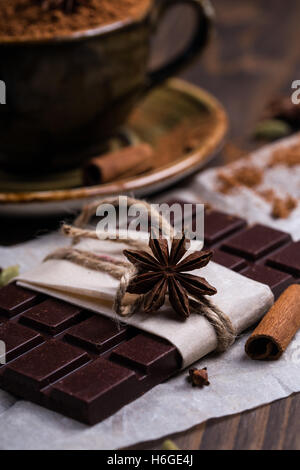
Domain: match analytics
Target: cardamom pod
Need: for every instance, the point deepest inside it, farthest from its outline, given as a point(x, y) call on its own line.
point(7, 274)
point(272, 129)
point(169, 445)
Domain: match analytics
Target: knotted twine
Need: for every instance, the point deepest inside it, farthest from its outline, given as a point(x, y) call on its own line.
point(126, 304)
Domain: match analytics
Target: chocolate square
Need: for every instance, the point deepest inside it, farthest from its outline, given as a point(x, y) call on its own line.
point(18, 339)
point(52, 316)
point(15, 299)
point(44, 364)
point(218, 225)
point(287, 259)
point(255, 242)
point(98, 334)
point(147, 354)
point(276, 280)
point(95, 391)
point(229, 261)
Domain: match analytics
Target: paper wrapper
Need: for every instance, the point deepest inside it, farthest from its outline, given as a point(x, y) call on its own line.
point(247, 203)
point(243, 300)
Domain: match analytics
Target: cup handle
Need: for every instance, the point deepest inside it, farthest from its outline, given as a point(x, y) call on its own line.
point(205, 14)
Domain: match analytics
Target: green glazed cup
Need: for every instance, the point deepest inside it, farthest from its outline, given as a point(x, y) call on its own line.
point(66, 95)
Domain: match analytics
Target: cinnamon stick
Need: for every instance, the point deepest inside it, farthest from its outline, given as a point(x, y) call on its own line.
point(129, 161)
point(278, 327)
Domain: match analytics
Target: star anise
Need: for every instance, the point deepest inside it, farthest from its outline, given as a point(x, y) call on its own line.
point(166, 272)
point(68, 6)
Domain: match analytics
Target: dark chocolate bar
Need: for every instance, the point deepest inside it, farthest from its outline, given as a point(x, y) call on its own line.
point(70, 360)
point(87, 366)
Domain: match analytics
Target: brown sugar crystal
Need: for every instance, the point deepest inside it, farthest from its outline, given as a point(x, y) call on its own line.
point(289, 157)
point(268, 194)
point(282, 207)
point(249, 176)
point(40, 19)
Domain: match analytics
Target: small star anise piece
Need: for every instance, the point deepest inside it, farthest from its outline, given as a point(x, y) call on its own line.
point(165, 271)
point(199, 377)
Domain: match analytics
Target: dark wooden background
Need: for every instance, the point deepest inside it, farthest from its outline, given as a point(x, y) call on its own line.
point(254, 56)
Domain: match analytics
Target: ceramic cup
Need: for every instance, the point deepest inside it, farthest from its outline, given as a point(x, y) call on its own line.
point(66, 95)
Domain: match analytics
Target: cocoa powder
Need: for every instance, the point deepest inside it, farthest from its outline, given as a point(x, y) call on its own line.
point(27, 18)
point(248, 176)
point(282, 207)
point(185, 137)
point(289, 157)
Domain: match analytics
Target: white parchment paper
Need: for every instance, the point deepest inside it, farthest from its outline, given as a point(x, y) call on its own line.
point(237, 384)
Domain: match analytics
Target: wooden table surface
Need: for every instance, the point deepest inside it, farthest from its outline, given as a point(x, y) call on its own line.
point(254, 56)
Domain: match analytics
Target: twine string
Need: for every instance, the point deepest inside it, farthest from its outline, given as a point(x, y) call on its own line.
point(78, 233)
point(222, 324)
